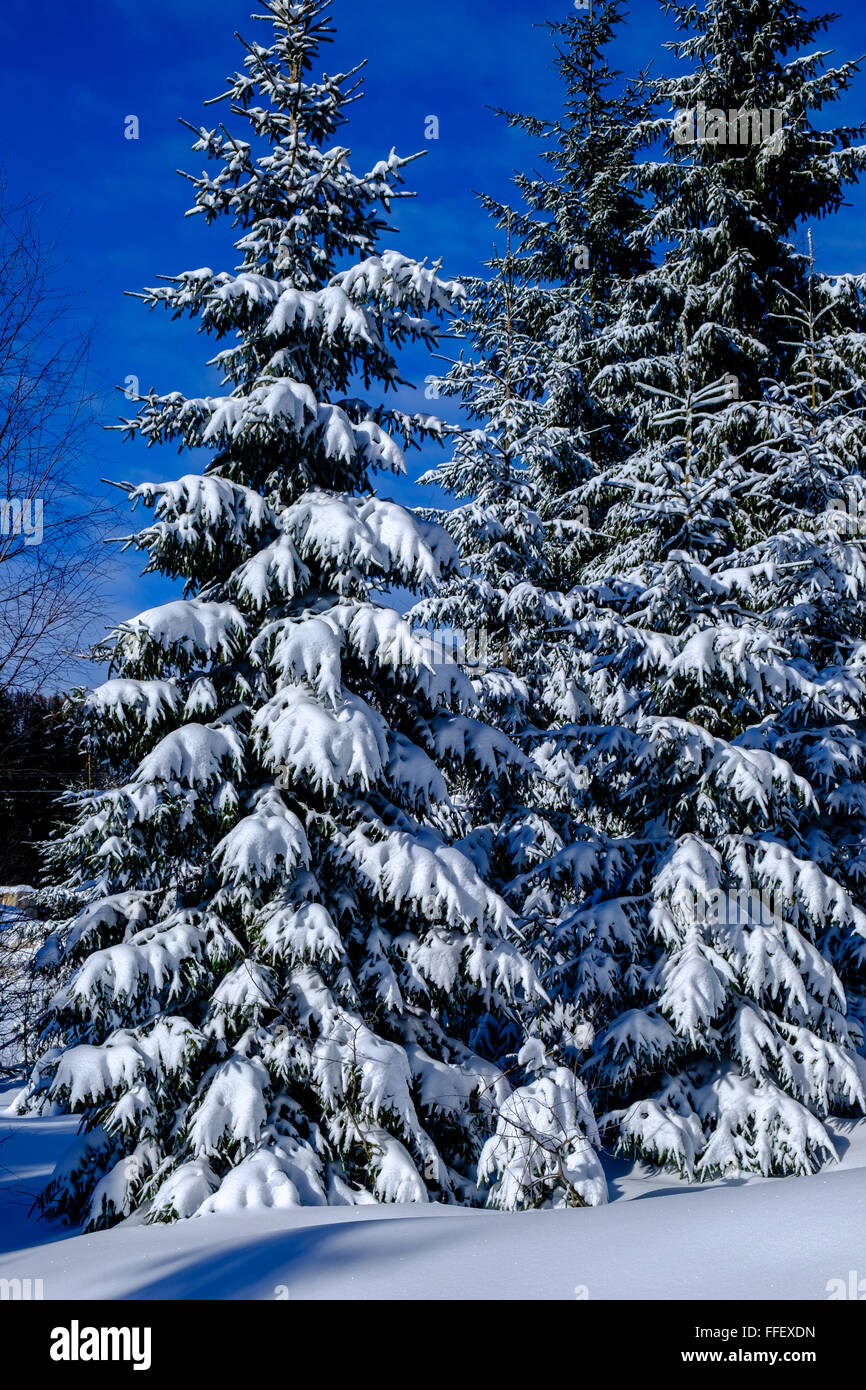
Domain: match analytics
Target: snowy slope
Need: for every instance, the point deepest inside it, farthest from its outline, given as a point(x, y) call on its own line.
point(657, 1239)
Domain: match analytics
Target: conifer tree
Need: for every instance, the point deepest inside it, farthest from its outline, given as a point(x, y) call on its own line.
point(539, 434)
point(284, 983)
point(721, 626)
point(579, 244)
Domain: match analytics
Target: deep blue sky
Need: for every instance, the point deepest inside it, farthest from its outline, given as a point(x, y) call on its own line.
point(72, 73)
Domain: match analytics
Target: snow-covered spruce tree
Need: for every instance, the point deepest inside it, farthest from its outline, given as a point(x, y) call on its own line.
point(581, 248)
point(497, 599)
point(274, 994)
point(814, 444)
point(536, 434)
point(722, 629)
point(531, 330)
point(499, 607)
point(577, 240)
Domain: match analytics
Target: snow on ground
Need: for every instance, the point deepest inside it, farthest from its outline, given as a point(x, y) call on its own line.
point(658, 1239)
